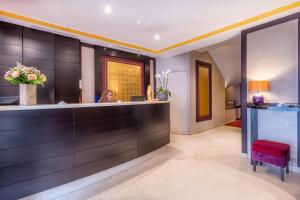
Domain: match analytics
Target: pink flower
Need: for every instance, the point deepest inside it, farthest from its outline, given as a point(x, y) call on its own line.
point(37, 71)
point(44, 78)
point(15, 74)
point(27, 69)
point(8, 73)
point(31, 77)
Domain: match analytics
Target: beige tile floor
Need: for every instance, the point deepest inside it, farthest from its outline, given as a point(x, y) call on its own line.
point(207, 165)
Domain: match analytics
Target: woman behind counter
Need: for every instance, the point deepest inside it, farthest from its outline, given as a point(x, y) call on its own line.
point(106, 96)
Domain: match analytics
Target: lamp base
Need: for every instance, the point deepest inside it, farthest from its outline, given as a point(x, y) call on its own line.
point(258, 100)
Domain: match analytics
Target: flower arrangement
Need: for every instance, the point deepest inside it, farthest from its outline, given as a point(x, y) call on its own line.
point(21, 74)
point(162, 92)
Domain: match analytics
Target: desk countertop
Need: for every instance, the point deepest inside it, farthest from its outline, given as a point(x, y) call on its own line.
point(60, 106)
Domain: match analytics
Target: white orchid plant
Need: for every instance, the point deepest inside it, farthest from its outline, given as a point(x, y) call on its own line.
point(163, 79)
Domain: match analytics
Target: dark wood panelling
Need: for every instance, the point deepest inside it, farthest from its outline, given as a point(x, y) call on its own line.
point(18, 156)
point(9, 91)
point(110, 137)
point(33, 186)
point(8, 49)
point(67, 69)
point(67, 41)
point(154, 128)
point(153, 146)
point(32, 43)
point(41, 149)
point(68, 58)
point(9, 60)
point(67, 49)
point(69, 75)
point(33, 170)
point(99, 153)
point(151, 125)
point(30, 119)
point(98, 127)
point(244, 91)
point(39, 52)
point(10, 52)
point(41, 49)
point(102, 113)
point(10, 34)
point(42, 64)
point(147, 138)
point(43, 134)
point(38, 35)
point(94, 167)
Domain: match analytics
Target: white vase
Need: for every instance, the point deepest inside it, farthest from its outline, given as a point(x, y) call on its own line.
point(27, 94)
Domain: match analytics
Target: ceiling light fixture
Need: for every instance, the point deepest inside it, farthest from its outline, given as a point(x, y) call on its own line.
point(138, 21)
point(107, 9)
point(156, 37)
point(109, 45)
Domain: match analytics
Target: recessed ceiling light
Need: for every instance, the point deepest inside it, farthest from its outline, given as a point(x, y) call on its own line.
point(138, 21)
point(107, 9)
point(157, 37)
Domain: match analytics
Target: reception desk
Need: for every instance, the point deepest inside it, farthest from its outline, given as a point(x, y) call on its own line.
point(45, 146)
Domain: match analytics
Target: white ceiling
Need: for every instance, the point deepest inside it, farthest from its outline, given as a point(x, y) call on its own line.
point(174, 20)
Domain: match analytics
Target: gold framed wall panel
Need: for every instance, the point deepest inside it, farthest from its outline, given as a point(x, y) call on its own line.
point(203, 91)
point(124, 77)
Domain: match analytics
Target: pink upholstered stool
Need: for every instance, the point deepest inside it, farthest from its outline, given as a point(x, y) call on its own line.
point(275, 153)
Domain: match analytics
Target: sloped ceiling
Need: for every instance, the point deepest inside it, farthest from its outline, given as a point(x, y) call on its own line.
point(228, 59)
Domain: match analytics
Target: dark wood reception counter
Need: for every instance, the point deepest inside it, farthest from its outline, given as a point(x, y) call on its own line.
point(45, 146)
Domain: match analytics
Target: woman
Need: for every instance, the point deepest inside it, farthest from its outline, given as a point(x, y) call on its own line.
point(106, 96)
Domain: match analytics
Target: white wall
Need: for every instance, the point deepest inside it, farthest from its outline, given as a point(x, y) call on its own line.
point(178, 85)
point(218, 95)
point(272, 54)
point(233, 93)
point(88, 74)
point(182, 84)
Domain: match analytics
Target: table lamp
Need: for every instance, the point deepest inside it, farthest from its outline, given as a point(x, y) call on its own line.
point(257, 87)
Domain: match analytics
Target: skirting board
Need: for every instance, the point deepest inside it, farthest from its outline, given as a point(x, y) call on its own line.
point(62, 192)
point(293, 166)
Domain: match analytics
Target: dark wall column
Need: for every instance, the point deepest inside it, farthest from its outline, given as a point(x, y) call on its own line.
point(67, 69)
point(10, 52)
point(38, 51)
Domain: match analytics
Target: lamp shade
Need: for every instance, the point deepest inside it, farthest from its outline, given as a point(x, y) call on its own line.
point(259, 86)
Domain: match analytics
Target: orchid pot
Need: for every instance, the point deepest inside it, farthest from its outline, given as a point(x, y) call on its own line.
point(162, 93)
point(162, 96)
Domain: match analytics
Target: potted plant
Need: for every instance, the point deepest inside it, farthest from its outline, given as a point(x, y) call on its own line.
point(27, 78)
point(162, 93)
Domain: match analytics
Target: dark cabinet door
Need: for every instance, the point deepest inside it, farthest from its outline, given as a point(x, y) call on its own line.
point(67, 69)
point(10, 52)
point(38, 51)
